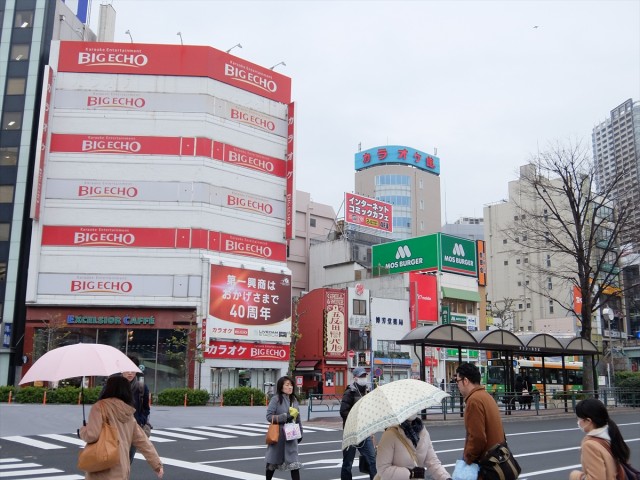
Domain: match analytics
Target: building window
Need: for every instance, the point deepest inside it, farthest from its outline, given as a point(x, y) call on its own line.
point(504, 241)
point(23, 19)
point(515, 217)
point(548, 260)
point(16, 86)
point(8, 156)
point(550, 306)
point(359, 307)
point(506, 262)
point(421, 204)
point(422, 225)
point(517, 261)
point(528, 305)
point(526, 260)
point(6, 193)
point(5, 228)
point(519, 283)
point(12, 121)
point(312, 222)
point(519, 306)
point(19, 52)
point(549, 283)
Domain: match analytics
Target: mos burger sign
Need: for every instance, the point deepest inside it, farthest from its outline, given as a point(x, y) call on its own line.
point(430, 252)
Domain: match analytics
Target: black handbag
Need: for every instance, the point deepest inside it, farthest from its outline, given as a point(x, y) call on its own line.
point(499, 464)
point(363, 465)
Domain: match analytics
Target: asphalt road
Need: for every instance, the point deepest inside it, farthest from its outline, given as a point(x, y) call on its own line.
point(228, 443)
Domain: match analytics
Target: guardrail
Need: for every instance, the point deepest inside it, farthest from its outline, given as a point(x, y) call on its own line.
point(318, 402)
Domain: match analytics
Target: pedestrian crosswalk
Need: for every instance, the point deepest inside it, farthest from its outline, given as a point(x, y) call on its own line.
point(16, 468)
point(158, 435)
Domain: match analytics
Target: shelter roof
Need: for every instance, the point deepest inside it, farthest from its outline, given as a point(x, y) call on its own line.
point(454, 336)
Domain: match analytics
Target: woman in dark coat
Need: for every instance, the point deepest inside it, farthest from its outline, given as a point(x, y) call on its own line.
point(283, 408)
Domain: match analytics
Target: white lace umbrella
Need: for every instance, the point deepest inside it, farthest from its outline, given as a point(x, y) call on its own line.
point(388, 405)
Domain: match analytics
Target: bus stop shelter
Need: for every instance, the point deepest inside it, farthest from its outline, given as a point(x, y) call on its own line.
point(507, 343)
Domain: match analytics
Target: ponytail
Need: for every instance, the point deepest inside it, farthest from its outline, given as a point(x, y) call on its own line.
point(619, 448)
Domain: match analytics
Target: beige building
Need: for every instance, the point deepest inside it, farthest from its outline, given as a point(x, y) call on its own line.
point(515, 287)
point(413, 188)
point(314, 223)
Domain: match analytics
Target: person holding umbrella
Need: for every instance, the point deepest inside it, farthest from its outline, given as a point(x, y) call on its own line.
point(117, 405)
point(405, 451)
point(352, 394)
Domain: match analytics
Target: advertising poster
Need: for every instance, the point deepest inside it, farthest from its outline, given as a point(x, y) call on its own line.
point(423, 290)
point(368, 212)
point(249, 304)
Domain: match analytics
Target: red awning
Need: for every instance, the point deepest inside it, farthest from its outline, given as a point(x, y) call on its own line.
point(306, 365)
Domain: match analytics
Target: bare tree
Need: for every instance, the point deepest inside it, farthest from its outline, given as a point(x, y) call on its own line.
point(184, 348)
point(51, 334)
point(572, 232)
point(503, 310)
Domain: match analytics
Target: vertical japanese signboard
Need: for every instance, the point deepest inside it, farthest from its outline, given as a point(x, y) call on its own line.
point(335, 324)
point(249, 305)
point(289, 207)
point(42, 145)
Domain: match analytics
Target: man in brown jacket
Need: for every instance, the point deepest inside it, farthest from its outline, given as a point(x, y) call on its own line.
point(481, 414)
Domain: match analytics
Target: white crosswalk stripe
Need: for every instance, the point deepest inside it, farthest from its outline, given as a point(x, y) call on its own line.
point(57, 441)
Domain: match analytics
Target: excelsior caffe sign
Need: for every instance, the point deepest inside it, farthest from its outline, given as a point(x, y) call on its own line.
point(431, 252)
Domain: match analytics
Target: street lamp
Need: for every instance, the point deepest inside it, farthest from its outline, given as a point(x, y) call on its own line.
point(608, 314)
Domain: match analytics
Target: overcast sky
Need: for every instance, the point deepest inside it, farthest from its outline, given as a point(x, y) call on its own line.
point(473, 79)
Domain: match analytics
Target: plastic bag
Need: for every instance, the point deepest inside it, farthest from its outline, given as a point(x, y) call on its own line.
point(463, 471)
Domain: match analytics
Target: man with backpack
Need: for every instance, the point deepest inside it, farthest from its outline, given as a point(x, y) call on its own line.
point(354, 392)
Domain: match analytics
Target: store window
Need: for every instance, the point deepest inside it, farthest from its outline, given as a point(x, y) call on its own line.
point(20, 52)
point(16, 86)
point(5, 229)
point(8, 156)
point(359, 307)
point(12, 121)
point(23, 19)
point(6, 193)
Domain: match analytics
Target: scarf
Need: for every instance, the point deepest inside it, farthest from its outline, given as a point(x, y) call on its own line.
point(412, 430)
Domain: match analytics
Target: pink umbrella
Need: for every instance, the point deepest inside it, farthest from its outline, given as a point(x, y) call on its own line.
point(79, 360)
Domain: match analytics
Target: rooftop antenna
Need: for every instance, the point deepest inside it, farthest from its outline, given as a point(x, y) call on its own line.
point(180, 35)
point(129, 33)
point(359, 146)
point(279, 63)
point(236, 45)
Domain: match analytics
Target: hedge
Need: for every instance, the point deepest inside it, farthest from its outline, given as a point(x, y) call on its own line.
point(175, 396)
point(242, 396)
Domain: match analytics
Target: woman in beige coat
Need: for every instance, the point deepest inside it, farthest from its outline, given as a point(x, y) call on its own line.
point(603, 449)
point(405, 452)
point(116, 402)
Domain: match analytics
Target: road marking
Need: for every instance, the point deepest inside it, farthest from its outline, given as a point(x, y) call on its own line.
point(32, 442)
point(234, 431)
point(19, 465)
point(198, 467)
point(206, 434)
point(242, 427)
point(9, 460)
point(62, 438)
point(176, 435)
point(37, 471)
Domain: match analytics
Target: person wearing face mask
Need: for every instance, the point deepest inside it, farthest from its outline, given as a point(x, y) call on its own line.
point(352, 394)
point(603, 449)
point(405, 451)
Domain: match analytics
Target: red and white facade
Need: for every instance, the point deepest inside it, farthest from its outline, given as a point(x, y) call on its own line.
point(168, 185)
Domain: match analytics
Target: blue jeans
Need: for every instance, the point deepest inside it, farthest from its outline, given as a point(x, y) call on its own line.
point(367, 450)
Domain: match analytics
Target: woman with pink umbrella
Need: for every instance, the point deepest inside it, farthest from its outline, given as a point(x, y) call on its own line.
point(117, 406)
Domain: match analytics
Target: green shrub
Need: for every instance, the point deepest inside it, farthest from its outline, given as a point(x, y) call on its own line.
point(569, 394)
point(4, 392)
point(175, 397)
point(63, 395)
point(241, 396)
point(91, 395)
point(30, 394)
